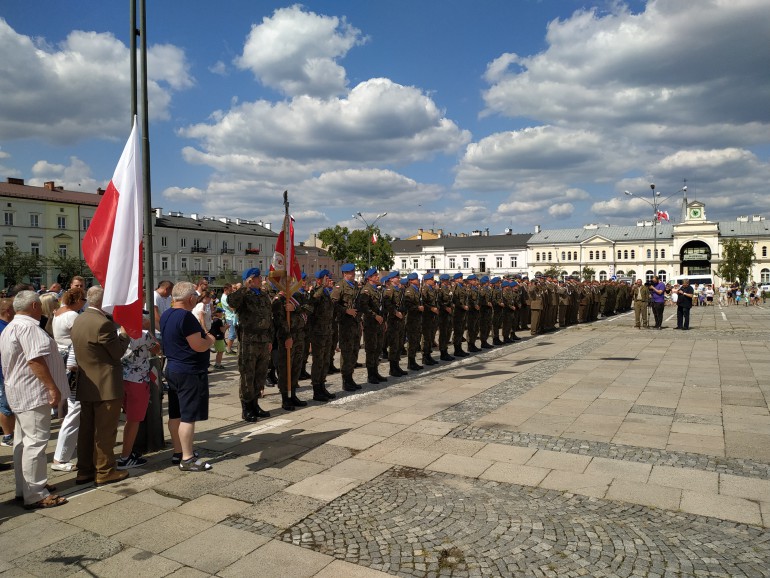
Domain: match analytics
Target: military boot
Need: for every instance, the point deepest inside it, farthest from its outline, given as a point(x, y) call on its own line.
point(286, 402)
point(327, 393)
point(296, 401)
point(485, 345)
point(496, 341)
point(459, 352)
point(247, 412)
point(413, 365)
point(258, 411)
point(445, 356)
point(428, 360)
point(371, 374)
point(272, 379)
point(332, 369)
point(377, 374)
point(396, 371)
point(349, 385)
point(319, 394)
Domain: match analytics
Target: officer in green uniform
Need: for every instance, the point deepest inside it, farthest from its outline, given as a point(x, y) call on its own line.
point(253, 308)
point(289, 318)
point(319, 325)
point(393, 300)
point(444, 302)
point(413, 308)
point(345, 296)
point(370, 305)
point(460, 302)
point(429, 300)
point(485, 319)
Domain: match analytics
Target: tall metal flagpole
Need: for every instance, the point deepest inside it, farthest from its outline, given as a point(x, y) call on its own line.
point(287, 246)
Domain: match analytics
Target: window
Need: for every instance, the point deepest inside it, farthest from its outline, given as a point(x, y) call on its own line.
point(662, 253)
point(183, 263)
point(61, 221)
point(483, 264)
point(649, 253)
point(248, 245)
point(208, 265)
point(466, 262)
point(196, 243)
point(537, 256)
point(164, 263)
point(224, 245)
point(764, 251)
point(656, 253)
point(633, 254)
point(662, 275)
point(764, 276)
point(591, 255)
point(625, 254)
point(604, 255)
point(602, 275)
point(34, 248)
point(8, 218)
point(86, 223)
point(563, 256)
point(62, 250)
point(549, 256)
point(451, 262)
point(569, 255)
point(415, 263)
point(240, 245)
point(183, 242)
point(34, 220)
point(499, 262)
point(514, 261)
point(403, 264)
point(163, 242)
point(432, 262)
point(574, 255)
point(619, 254)
point(649, 275)
point(208, 244)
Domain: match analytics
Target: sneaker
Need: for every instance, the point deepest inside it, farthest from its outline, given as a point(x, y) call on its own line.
point(194, 465)
point(7, 441)
point(176, 458)
point(219, 366)
point(231, 352)
point(132, 461)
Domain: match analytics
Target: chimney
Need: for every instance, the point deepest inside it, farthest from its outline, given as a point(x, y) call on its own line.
point(158, 212)
point(194, 216)
point(537, 229)
point(100, 191)
point(268, 226)
point(419, 231)
point(49, 185)
point(15, 181)
point(441, 233)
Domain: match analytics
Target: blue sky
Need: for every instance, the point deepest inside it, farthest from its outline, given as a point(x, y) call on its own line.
point(451, 114)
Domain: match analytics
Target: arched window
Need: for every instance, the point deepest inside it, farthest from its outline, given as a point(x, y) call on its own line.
point(649, 275)
point(569, 255)
point(625, 254)
point(631, 273)
point(549, 256)
point(764, 276)
point(537, 256)
point(662, 253)
point(602, 275)
point(563, 255)
point(619, 254)
point(619, 273)
point(764, 251)
point(649, 253)
point(656, 253)
point(575, 274)
point(574, 255)
point(591, 255)
point(633, 254)
point(662, 275)
point(604, 254)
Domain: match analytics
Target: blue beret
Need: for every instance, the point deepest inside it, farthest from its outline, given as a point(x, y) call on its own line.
point(513, 284)
point(253, 272)
point(404, 281)
point(348, 267)
point(304, 275)
point(506, 284)
point(427, 276)
point(495, 279)
point(412, 276)
point(457, 276)
point(369, 272)
point(322, 273)
point(485, 279)
point(443, 277)
point(386, 277)
point(471, 277)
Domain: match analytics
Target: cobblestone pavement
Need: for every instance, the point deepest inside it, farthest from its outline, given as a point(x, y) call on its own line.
point(414, 523)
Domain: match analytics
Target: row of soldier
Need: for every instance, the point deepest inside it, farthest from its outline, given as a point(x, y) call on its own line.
point(397, 317)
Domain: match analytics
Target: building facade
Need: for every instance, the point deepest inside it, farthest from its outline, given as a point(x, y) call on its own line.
point(478, 253)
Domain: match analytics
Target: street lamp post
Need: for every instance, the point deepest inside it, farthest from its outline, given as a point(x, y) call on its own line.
point(655, 204)
point(369, 232)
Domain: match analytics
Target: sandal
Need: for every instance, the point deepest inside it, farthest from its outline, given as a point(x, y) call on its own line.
point(176, 458)
point(50, 501)
point(194, 465)
point(63, 466)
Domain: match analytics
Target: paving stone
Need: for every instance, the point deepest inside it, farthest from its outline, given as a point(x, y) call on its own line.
point(281, 510)
point(163, 532)
point(118, 516)
point(212, 508)
point(586, 484)
point(68, 555)
point(277, 559)
point(515, 474)
point(413, 457)
point(645, 494)
point(686, 479)
point(37, 532)
point(251, 488)
point(231, 545)
point(323, 487)
point(744, 487)
point(460, 465)
point(722, 507)
point(559, 461)
point(140, 562)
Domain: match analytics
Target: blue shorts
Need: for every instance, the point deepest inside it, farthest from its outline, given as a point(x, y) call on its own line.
point(188, 396)
point(231, 332)
point(5, 409)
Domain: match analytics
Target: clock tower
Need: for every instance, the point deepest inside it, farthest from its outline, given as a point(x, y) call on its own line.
point(696, 212)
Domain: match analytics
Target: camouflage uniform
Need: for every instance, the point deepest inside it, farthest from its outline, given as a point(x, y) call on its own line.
point(291, 325)
point(395, 325)
point(320, 325)
point(444, 302)
point(345, 296)
point(485, 319)
point(460, 301)
point(370, 303)
point(413, 309)
point(429, 297)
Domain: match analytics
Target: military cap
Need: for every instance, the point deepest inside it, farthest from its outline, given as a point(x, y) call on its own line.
point(253, 272)
point(386, 277)
point(348, 268)
point(457, 276)
point(404, 280)
point(369, 272)
point(485, 279)
point(322, 273)
point(304, 275)
point(513, 284)
point(412, 276)
point(427, 276)
point(506, 284)
point(471, 277)
point(443, 277)
point(495, 279)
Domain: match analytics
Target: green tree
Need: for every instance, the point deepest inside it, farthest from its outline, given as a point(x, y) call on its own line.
point(554, 272)
point(356, 247)
point(17, 266)
point(68, 267)
point(588, 273)
point(737, 258)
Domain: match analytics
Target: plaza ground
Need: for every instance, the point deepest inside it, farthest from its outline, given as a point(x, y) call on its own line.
point(598, 450)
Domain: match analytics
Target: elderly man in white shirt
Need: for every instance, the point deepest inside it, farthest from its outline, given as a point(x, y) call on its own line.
point(35, 378)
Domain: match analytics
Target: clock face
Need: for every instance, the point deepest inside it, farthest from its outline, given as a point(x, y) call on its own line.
point(695, 213)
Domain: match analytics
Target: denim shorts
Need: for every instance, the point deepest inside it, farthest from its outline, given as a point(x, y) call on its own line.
point(188, 396)
point(4, 408)
point(231, 332)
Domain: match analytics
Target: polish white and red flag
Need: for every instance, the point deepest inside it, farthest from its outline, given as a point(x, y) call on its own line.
point(284, 266)
point(112, 246)
point(374, 238)
point(661, 215)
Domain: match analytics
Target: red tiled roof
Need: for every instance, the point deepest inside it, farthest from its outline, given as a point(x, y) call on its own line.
point(44, 194)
